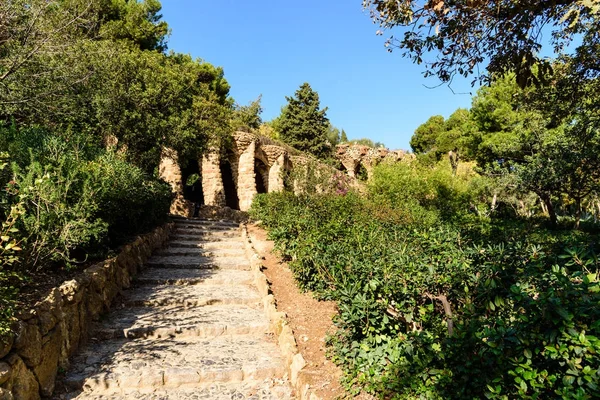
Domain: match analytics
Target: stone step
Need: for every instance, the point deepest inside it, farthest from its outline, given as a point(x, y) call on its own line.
point(207, 244)
point(125, 366)
point(162, 276)
point(205, 222)
point(191, 295)
point(269, 389)
point(191, 262)
point(182, 277)
point(207, 228)
point(207, 237)
point(180, 321)
point(216, 236)
point(183, 251)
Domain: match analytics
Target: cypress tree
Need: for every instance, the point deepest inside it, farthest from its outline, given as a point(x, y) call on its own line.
point(303, 125)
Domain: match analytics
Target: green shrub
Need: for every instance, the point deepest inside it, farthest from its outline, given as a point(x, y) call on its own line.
point(445, 311)
point(428, 193)
point(9, 260)
point(65, 201)
point(127, 199)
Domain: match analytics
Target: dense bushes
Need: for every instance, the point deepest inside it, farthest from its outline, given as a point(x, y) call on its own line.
point(77, 199)
point(65, 201)
point(495, 309)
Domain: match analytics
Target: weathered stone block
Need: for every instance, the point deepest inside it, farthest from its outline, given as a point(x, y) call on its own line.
point(49, 311)
point(6, 344)
point(298, 363)
point(71, 292)
point(72, 332)
point(22, 383)
point(28, 343)
point(4, 372)
point(5, 394)
point(46, 371)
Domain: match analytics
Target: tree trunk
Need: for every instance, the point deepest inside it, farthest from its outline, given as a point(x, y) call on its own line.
point(544, 209)
point(577, 212)
point(545, 197)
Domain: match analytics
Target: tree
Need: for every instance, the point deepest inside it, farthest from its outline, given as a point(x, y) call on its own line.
point(247, 117)
point(550, 150)
point(333, 135)
point(426, 134)
point(460, 136)
point(343, 137)
point(303, 124)
point(149, 100)
point(137, 21)
point(99, 67)
point(461, 35)
point(37, 41)
point(266, 129)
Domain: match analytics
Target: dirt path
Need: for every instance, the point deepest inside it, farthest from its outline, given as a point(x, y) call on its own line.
point(310, 319)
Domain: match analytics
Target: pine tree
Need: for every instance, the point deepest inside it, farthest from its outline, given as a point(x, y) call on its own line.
point(303, 124)
point(344, 137)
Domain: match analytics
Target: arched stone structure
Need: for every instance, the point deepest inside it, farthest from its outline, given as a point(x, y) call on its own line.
point(170, 171)
point(253, 163)
point(354, 157)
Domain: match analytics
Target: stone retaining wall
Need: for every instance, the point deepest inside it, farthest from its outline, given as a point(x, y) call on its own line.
point(52, 330)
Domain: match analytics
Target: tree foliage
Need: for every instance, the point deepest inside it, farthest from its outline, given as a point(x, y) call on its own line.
point(438, 137)
point(528, 139)
point(247, 117)
point(89, 98)
point(456, 37)
point(303, 124)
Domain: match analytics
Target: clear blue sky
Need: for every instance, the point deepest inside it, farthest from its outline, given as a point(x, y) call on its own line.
point(271, 47)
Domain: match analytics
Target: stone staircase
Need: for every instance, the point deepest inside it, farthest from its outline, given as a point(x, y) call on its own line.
point(191, 327)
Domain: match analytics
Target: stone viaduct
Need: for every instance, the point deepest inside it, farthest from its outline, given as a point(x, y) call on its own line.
point(253, 164)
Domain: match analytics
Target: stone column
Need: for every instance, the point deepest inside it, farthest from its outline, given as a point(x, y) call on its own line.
point(369, 166)
point(300, 168)
point(169, 171)
point(246, 178)
point(212, 181)
point(276, 175)
point(350, 165)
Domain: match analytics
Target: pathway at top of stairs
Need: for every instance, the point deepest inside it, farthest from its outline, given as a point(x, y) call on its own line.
point(191, 327)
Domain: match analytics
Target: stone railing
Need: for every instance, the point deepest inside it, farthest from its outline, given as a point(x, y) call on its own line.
point(52, 330)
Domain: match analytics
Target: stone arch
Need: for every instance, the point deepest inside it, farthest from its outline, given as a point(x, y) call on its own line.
point(229, 186)
point(261, 176)
point(285, 173)
point(350, 166)
point(361, 172)
point(191, 178)
point(261, 170)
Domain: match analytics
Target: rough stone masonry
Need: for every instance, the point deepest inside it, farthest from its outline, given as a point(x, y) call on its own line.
point(255, 164)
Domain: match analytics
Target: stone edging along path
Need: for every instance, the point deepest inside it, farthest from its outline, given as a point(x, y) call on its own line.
point(294, 360)
point(51, 331)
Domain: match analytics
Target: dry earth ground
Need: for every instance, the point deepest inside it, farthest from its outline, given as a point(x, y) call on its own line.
point(309, 318)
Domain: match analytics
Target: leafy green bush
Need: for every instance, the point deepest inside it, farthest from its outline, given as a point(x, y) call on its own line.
point(64, 201)
point(438, 311)
point(9, 258)
point(127, 200)
point(79, 200)
point(428, 193)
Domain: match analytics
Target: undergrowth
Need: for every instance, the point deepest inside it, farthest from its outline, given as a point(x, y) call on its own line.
point(439, 305)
